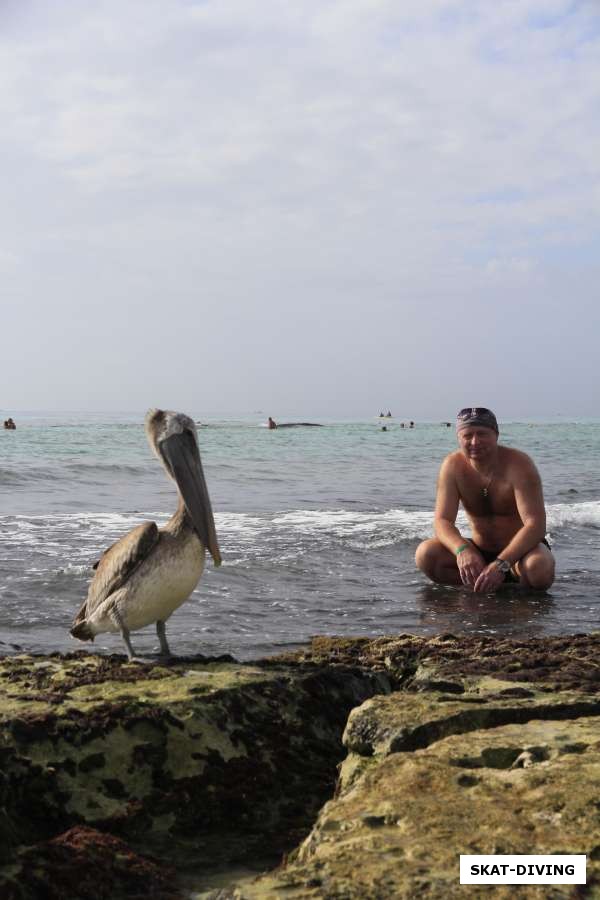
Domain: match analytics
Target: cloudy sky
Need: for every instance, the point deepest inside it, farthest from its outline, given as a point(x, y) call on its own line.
point(317, 207)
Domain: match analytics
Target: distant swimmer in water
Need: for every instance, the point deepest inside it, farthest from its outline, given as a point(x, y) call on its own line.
point(9, 425)
point(411, 425)
point(272, 423)
point(388, 415)
point(384, 427)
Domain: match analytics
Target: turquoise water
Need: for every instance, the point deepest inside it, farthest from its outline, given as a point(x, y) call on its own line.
point(317, 527)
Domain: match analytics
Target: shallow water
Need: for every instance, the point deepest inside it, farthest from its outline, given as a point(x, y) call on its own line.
point(317, 527)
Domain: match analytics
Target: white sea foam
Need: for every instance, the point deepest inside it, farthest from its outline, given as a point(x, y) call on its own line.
point(240, 533)
point(400, 524)
point(563, 515)
point(240, 523)
point(395, 524)
point(73, 569)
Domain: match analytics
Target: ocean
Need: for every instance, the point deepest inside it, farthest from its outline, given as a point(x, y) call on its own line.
point(317, 528)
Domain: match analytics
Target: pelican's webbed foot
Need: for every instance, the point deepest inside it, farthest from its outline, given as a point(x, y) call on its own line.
point(162, 637)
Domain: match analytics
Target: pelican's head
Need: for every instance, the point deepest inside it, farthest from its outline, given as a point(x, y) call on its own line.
point(173, 439)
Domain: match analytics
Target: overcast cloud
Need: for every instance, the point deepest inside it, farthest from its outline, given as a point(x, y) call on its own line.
point(317, 207)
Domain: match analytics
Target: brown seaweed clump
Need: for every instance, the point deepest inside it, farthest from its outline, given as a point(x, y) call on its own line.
point(84, 863)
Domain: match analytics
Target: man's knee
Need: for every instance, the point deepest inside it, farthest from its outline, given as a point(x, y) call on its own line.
point(424, 555)
point(430, 558)
point(538, 570)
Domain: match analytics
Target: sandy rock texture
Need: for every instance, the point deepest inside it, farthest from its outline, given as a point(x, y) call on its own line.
point(197, 766)
point(490, 747)
point(355, 768)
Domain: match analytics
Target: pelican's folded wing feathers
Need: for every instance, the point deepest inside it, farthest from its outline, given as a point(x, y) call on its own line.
point(117, 564)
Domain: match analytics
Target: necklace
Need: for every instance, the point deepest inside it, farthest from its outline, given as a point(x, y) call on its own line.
point(485, 489)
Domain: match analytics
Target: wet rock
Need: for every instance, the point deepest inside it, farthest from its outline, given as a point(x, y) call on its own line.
point(202, 763)
point(565, 661)
point(450, 744)
point(392, 724)
point(429, 809)
point(499, 767)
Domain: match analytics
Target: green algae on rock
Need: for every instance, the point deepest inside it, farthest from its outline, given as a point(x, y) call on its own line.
point(199, 763)
point(463, 760)
point(451, 745)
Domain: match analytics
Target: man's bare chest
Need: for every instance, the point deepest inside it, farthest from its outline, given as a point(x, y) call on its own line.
point(482, 498)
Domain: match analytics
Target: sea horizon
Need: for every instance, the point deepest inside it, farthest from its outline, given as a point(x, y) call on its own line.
point(243, 414)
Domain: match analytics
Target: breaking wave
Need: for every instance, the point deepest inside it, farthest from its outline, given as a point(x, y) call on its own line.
point(243, 535)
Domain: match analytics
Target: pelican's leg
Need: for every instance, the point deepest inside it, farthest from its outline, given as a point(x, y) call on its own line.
point(162, 637)
point(116, 617)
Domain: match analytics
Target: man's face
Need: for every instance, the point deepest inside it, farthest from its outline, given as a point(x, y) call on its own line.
point(477, 442)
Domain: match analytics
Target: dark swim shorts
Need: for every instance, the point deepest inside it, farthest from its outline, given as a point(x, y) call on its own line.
point(489, 556)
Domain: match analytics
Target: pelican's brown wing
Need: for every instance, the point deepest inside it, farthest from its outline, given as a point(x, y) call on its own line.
point(116, 565)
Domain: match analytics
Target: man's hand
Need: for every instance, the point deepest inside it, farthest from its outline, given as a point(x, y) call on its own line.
point(470, 565)
point(489, 580)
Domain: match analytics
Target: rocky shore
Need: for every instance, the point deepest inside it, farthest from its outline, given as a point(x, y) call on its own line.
point(355, 768)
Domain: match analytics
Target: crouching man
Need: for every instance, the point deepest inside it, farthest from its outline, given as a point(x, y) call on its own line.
point(501, 492)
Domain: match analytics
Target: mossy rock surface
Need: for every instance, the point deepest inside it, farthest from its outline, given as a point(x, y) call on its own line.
point(399, 828)
point(466, 758)
point(371, 763)
point(201, 763)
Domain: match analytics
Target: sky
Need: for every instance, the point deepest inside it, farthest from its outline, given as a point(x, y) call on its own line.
point(325, 208)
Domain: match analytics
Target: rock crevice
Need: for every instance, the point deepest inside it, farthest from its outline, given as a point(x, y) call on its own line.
point(200, 765)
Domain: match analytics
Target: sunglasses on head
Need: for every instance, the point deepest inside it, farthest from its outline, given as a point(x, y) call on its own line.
point(474, 412)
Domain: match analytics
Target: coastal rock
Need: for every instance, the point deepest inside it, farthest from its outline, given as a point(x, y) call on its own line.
point(199, 763)
point(378, 760)
point(565, 661)
point(491, 765)
point(399, 828)
point(389, 725)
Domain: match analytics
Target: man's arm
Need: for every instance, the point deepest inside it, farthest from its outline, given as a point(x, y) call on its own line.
point(529, 498)
point(469, 561)
point(446, 508)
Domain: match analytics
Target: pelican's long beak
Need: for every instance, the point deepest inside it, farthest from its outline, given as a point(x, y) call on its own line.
point(181, 456)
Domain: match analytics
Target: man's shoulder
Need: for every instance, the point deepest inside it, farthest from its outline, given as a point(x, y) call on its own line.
point(516, 457)
point(518, 462)
point(450, 462)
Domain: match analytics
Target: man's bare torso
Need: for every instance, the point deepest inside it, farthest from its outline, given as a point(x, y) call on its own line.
point(494, 518)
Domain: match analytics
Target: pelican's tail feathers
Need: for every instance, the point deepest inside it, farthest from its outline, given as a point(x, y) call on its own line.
point(80, 628)
point(82, 631)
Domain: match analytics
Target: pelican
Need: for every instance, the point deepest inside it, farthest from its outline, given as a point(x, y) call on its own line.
point(149, 572)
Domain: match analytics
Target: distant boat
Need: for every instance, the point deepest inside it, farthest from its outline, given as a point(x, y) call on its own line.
point(299, 425)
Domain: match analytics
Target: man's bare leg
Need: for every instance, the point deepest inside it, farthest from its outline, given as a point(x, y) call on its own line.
point(536, 569)
point(436, 561)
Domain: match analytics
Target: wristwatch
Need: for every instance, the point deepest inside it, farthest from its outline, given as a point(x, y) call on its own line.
point(503, 565)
